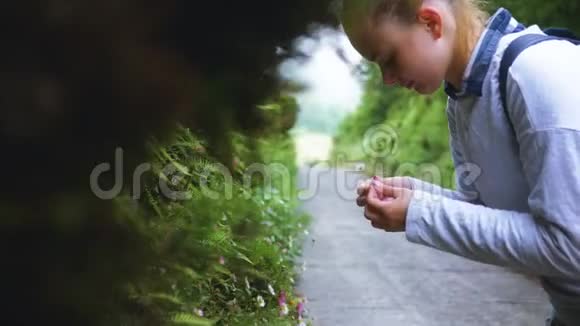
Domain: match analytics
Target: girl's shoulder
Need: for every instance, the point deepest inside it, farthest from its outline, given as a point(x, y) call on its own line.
point(546, 76)
point(542, 54)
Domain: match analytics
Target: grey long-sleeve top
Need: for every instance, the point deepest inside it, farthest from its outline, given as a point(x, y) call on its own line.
point(517, 201)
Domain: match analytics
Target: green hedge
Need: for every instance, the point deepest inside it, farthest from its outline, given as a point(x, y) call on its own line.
point(215, 256)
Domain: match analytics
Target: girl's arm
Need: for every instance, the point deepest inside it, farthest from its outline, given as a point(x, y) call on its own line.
point(544, 100)
point(544, 242)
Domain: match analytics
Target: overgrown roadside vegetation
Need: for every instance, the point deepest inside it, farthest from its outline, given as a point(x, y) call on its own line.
point(223, 237)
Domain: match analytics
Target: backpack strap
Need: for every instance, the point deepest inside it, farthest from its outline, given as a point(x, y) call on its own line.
point(516, 47)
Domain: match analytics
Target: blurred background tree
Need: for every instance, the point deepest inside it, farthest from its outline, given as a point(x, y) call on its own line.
point(544, 13)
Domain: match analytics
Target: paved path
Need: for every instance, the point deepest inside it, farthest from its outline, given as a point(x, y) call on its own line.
point(358, 276)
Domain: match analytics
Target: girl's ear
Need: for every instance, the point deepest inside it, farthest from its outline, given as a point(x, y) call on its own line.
point(431, 19)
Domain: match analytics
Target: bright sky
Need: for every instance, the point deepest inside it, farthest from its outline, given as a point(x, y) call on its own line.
point(332, 86)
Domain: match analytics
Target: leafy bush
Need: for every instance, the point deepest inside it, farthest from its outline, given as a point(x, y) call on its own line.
point(227, 245)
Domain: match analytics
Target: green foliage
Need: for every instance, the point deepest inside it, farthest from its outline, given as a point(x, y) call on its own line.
point(556, 13)
point(177, 246)
point(188, 319)
point(280, 115)
point(417, 142)
point(114, 74)
point(223, 246)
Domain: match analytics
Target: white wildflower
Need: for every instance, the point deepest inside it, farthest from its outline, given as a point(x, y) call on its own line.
point(271, 290)
point(283, 309)
point(260, 301)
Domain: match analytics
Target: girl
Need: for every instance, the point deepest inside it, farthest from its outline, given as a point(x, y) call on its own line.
point(516, 198)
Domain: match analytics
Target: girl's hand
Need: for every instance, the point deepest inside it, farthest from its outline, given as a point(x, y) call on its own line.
point(363, 188)
point(386, 206)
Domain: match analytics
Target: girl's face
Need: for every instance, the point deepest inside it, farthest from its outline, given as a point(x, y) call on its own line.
point(415, 56)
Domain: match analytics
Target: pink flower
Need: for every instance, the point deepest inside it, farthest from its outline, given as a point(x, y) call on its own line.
point(222, 260)
point(300, 309)
point(282, 303)
point(282, 298)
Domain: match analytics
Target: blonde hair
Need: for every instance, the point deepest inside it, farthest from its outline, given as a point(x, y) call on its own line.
point(469, 14)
